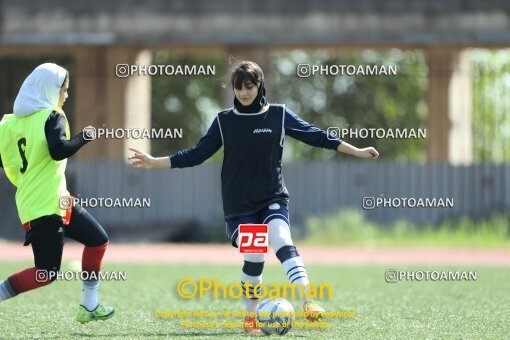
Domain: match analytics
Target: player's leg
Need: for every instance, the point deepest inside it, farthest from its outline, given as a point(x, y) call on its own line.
point(251, 272)
point(86, 230)
point(47, 238)
point(276, 216)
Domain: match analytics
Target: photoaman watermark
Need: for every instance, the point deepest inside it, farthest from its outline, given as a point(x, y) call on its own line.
point(189, 288)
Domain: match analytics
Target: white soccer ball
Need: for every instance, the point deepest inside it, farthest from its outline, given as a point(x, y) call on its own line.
point(275, 316)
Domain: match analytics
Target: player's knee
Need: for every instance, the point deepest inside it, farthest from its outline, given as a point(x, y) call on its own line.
point(286, 252)
point(253, 268)
point(101, 241)
point(279, 234)
point(280, 240)
point(105, 239)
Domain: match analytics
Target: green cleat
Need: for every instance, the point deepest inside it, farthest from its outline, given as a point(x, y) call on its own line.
point(100, 313)
point(313, 311)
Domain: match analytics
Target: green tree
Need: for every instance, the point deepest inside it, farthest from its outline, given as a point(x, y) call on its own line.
point(187, 102)
point(356, 101)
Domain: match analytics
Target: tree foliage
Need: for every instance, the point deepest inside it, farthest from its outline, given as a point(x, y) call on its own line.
point(356, 102)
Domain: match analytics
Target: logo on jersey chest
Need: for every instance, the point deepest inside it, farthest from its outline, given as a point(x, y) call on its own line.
point(262, 131)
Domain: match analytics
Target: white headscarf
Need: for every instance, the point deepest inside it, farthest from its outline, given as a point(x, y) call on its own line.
point(41, 90)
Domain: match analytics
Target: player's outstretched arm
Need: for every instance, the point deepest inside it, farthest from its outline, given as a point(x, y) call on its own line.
point(347, 148)
point(205, 148)
point(145, 161)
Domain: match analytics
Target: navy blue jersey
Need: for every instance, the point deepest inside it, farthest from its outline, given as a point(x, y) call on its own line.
point(251, 176)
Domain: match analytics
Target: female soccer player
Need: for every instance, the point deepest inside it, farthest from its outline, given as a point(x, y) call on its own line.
point(34, 146)
point(253, 191)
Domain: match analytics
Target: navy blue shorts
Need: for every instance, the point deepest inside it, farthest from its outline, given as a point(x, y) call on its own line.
point(263, 216)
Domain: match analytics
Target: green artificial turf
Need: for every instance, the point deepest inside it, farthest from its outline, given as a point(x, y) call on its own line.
point(425, 309)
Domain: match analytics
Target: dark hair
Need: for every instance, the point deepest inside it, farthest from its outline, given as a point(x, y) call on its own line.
point(67, 76)
point(246, 70)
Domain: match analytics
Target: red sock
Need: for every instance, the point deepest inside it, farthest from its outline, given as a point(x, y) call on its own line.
point(28, 279)
point(92, 258)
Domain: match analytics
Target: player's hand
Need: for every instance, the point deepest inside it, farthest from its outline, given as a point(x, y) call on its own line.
point(141, 160)
point(367, 153)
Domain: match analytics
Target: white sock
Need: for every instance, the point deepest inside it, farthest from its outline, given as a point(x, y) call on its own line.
point(89, 294)
point(250, 304)
point(296, 273)
point(6, 291)
point(279, 237)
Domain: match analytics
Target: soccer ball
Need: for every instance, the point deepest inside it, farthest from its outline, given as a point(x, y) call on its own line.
point(275, 316)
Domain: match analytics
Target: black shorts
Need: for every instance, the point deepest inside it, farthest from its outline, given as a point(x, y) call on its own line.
point(47, 235)
point(263, 216)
